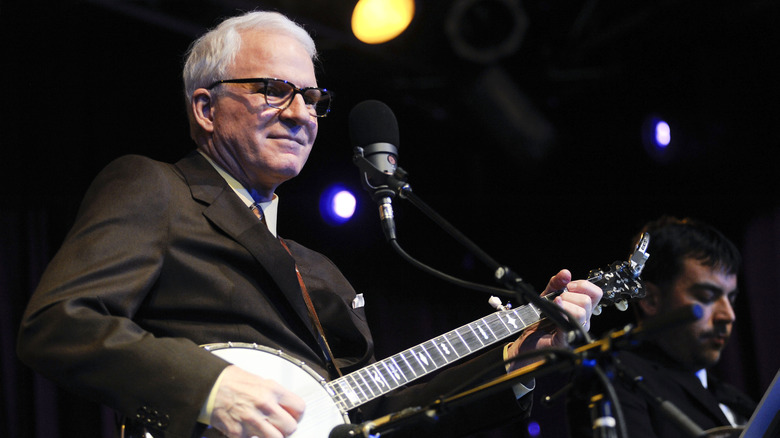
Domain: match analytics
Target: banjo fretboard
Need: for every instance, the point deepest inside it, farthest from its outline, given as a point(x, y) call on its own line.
point(361, 386)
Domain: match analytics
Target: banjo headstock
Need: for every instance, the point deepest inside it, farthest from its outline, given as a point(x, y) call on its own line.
point(620, 281)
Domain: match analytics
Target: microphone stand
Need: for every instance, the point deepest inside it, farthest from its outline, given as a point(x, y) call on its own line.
point(397, 184)
point(607, 413)
point(556, 360)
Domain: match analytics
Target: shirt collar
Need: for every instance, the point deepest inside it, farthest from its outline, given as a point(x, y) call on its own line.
point(702, 375)
point(270, 208)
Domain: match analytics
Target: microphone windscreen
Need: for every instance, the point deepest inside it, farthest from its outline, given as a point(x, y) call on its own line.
point(345, 431)
point(371, 121)
point(672, 319)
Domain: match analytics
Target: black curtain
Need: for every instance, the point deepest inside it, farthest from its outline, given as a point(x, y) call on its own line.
point(81, 86)
point(32, 406)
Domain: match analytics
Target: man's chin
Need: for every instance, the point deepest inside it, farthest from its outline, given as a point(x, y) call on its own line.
point(710, 358)
point(698, 358)
point(286, 173)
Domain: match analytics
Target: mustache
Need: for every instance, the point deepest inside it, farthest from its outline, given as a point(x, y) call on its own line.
point(719, 331)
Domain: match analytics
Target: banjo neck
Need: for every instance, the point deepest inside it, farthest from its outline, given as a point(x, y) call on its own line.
point(379, 378)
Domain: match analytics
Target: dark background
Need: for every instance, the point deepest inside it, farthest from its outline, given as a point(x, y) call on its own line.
point(536, 153)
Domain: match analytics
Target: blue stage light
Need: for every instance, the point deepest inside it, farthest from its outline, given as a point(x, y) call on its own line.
point(337, 205)
point(534, 429)
point(656, 132)
point(657, 139)
point(663, 134)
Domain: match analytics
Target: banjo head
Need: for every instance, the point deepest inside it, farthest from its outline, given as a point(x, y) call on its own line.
point(321, 414)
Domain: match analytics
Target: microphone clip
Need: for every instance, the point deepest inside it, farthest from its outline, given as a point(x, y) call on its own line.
point(380, 184)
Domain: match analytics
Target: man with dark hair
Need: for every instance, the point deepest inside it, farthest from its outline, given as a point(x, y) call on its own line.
point(691, 263)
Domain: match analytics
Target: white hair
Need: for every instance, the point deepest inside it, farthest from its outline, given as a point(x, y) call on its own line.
point(210, 56)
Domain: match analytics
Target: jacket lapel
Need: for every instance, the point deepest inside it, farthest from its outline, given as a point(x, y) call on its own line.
point(228, 213)
point(697, 394)
point(740, 404)
point(700, 395)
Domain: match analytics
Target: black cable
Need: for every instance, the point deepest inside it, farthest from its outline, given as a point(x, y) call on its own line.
point(397, 183)
point(545, 305)
point(613, 397)
point(449, 278)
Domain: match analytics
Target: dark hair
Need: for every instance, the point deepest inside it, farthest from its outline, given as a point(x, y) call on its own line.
point(673, 240)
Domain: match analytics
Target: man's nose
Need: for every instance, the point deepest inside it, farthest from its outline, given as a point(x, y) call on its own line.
point(298, 110)
point(724, 311)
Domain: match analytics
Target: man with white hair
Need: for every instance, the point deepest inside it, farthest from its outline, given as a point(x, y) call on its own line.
point(164, 258)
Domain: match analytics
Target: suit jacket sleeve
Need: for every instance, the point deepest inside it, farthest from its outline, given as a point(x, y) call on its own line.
point(79, 327)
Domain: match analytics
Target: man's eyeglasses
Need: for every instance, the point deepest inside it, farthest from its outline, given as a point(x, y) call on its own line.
point(280, 94)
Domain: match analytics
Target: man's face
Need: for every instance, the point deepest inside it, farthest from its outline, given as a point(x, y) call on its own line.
point(699, 344)
point(259, 145)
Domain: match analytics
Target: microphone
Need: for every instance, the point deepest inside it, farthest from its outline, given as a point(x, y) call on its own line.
point(373, 130)
point(384, 425)
point(346, 431)
point(679, 316)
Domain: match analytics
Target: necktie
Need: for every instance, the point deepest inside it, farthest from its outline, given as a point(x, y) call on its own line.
point(258, 211)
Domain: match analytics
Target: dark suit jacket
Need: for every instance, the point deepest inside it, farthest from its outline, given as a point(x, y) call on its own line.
point(664, 379)
point(163, 258)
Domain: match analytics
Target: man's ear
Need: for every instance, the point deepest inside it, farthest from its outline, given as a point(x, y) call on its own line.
point(202, 109)
point(651, 303)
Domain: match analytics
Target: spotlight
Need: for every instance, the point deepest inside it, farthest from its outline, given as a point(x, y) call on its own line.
point(657, 138)
point(663, 134)
point(379, 21)
point(534, 430)
point(337, 205)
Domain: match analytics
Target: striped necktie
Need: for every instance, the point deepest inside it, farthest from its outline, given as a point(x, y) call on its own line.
point(258, 211)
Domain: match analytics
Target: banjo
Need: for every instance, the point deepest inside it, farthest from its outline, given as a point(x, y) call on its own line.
point(328, 402)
